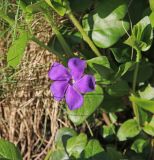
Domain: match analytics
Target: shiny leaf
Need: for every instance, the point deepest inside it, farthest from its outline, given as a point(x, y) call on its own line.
point(93, 150)
point(76, 145)
point(104, 25)
point(142, 35)
point(139, 145)
point(128, 129)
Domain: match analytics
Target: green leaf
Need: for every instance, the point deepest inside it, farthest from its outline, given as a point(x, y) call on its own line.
point(60, 6)
point(80, 5)
point(142, 35)
point(56, 46)
point(93, 150)
point(124, 68)
point(9, 151)
point(31, 9)
point(113, 117)
point(135, 156)
point(112, 104)
point(104, 25)
point(113, 154)
point(63, 135)
point(149, 130)
point(72, 38)
point(61, 138)
point(151, 4)
point(118, 89)
point(128, 129)
point(139, 145)
point(152, 19)
point(136, 13)
point(16, 51)
point(36, 7)
point(144, 67)
point(101, 69)
point(147, 93)
point(122, 53)
point(152, 121)
point(102, 60)
point(76, 145)
point(149, 127)
point(112, 9)
point(59, 154)
point(144, 116)
point(27, 2)
point(146, 104)
point(92, 101)
point(108, 130)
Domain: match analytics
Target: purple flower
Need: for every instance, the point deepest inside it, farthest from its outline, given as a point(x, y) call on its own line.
point(71, 83)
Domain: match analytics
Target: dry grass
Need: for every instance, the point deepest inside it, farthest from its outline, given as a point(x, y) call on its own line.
point(28, 115)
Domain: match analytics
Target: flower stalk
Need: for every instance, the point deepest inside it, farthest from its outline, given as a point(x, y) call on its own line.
point(59, 36)
point(135, 107)
point(84, 34)
point(138, 58)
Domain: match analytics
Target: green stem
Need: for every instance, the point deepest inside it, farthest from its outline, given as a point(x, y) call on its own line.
point(138, 58)
point(84, 34)
point(135, 107)
point(135, 76)
point(59, 36)
point(90, 130)
point(48, 155)
point(16, 23)
point(136, 112)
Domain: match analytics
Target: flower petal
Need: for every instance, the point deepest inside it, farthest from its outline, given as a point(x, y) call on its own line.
point(85, 84)
point(58, 72)
point(73, 98)
point(58, 89)
point(76, 67)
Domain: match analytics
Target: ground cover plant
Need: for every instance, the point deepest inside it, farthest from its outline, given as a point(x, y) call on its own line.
point(104, 78)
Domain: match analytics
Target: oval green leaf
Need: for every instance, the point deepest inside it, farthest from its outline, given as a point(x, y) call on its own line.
point(63, 135)
point(149, 129)
point(58, 154)
point(16, 51)
point(92, 101)
point(76, 145)
point(105, 25)
point(9, 151)
point(139, 145)
point(93, 150)
point(128, 129)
